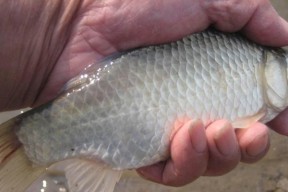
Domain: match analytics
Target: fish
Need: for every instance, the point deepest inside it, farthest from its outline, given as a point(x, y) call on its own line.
point(118, 114)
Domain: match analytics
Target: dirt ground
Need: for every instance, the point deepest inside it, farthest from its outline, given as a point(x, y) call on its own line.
point(268, 175)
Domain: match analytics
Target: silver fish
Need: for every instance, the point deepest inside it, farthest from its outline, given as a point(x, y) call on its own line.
point(119, 114)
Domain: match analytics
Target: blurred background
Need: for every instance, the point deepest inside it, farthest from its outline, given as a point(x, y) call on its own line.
point(268, 175)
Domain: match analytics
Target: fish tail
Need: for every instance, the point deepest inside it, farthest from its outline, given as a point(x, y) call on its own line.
point(16, 171)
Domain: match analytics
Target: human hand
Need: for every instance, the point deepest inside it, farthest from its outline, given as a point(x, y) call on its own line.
point(84, 32)
point(42, 54)
point(248, 145)
point(211, 151)
point(280, 123)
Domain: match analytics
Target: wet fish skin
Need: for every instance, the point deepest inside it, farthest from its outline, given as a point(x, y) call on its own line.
point(122, 111)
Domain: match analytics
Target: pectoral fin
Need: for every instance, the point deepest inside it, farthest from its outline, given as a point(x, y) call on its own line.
point(88, 176)
point(246, 122)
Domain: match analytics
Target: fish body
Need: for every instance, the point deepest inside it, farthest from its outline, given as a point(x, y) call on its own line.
point(121, 112)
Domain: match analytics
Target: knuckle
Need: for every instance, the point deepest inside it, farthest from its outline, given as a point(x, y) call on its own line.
point(223, 13)
point(221, 6)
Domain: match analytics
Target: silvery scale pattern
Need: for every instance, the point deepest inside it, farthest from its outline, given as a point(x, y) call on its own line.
point(121, 111)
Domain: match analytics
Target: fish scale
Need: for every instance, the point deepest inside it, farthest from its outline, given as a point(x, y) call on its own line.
point(123, 111)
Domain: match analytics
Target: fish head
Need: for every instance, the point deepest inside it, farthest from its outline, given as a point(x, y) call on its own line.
point(276, 79)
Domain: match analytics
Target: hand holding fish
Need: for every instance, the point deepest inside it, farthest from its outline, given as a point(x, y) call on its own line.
point(85, 31)
point(220, 151)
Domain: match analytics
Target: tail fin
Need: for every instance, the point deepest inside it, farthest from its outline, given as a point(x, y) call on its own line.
point(16, 172)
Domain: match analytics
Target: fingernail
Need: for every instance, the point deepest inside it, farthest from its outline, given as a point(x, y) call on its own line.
point(258, 145)
point(225, 140)
point(197, 135)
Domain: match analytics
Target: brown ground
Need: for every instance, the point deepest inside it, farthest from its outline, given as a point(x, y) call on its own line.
point(268, 175)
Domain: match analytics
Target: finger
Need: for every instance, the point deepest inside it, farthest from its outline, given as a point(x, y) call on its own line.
point(253, 142)
point(188, 157)
point(266, 26)
point(279, 124)
point(224, 153)
point(257, 19)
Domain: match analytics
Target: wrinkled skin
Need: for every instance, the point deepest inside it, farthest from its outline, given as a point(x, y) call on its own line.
point(42, 50)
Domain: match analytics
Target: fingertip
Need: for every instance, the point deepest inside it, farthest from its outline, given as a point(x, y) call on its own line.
point(224, 138)
point(267, 27)
point(279, 124)
point(224, 153)
point(152, 172)
point(257, 149)
point(197, 135)
point(189, 155)
point(254, 142)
